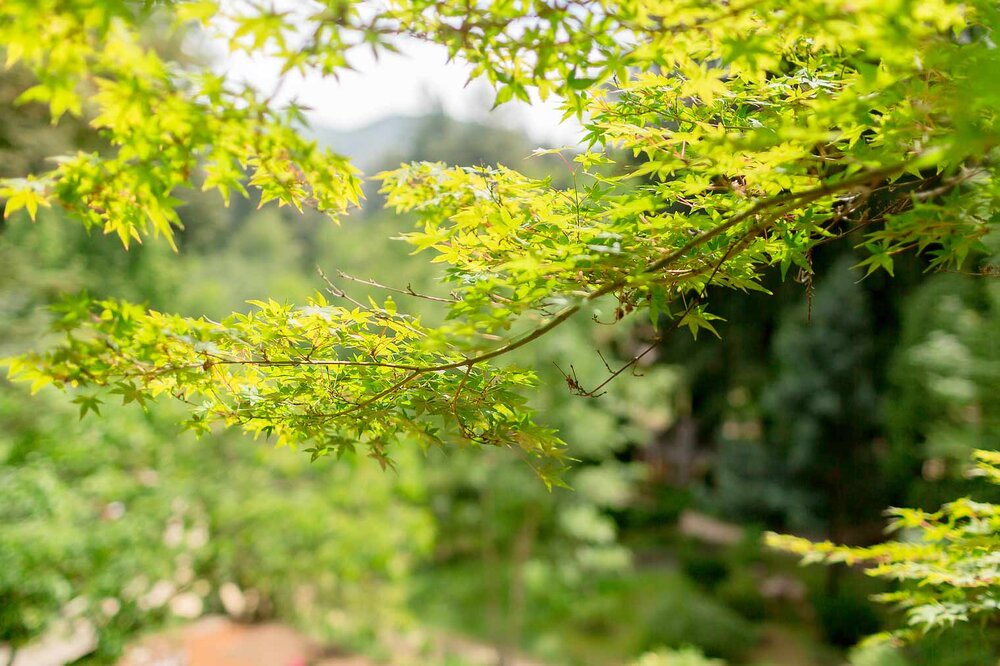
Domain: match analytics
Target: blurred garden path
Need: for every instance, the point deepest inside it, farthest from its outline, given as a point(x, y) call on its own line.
point(219, 641)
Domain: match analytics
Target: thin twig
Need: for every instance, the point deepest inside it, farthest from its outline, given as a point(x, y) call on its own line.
point(406, 292)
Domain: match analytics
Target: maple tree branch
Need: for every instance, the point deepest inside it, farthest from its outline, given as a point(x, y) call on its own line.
point(794, 200)
point(772, 209)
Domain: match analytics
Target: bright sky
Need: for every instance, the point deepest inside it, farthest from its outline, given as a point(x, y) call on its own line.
point(409, 83)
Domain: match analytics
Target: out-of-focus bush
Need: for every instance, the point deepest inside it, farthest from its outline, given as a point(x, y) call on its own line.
point(741, 592)
point(657, 506)
point(877, 655)
point(684, 616)
point(945, 387)
point(963, 645)
point(702, 565)
point(683, 657)
point(128, 524)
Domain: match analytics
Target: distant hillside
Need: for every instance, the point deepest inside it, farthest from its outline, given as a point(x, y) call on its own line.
point(369, 146)
point(436, 136)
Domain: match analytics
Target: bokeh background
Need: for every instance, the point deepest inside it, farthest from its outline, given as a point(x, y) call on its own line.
point(817, 408)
